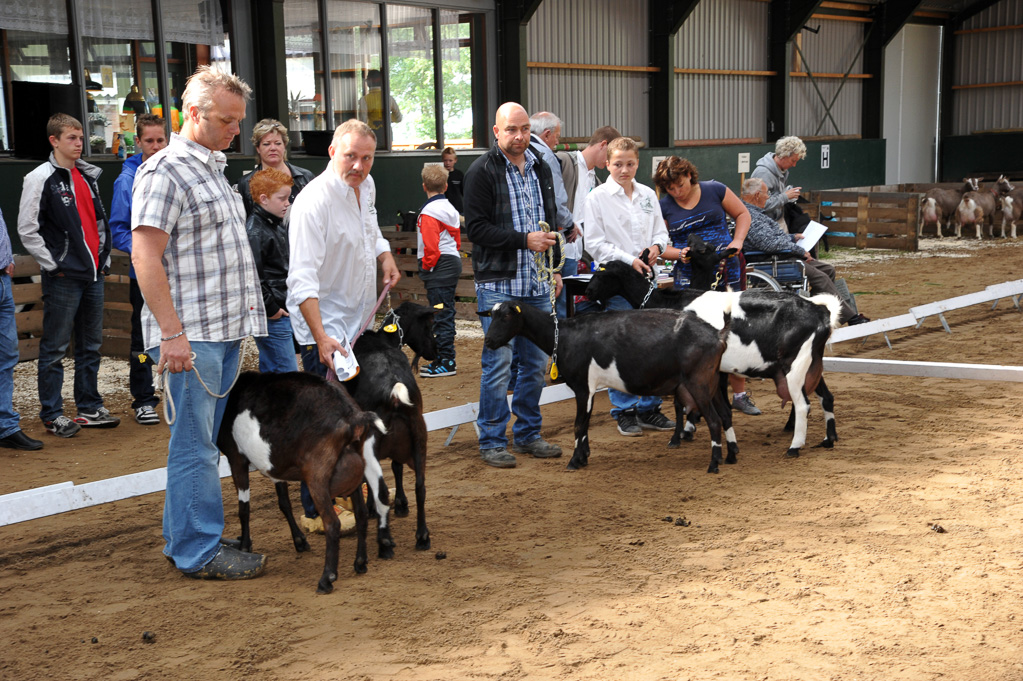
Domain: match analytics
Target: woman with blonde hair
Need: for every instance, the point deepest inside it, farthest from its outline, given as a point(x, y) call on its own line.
point(270, 138)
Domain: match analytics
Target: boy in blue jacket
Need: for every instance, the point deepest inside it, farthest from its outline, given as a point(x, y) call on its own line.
point(151, 136)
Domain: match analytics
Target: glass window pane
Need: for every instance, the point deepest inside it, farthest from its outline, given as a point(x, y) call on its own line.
point(410, 70)
point(456, 65)
point(110, 76)
point(304, 65)
point(354, 56)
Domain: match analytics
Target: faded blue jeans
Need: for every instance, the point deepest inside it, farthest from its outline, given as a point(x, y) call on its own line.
point(193, 507)
point(277, 348)
point(70, 306)
point(494, 413)
point(10, 421)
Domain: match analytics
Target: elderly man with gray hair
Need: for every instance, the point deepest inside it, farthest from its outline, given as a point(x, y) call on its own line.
point(774, 169)
point(765, 235)
point(545, 133)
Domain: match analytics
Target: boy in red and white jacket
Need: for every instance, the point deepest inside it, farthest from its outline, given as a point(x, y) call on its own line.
point(440, 265)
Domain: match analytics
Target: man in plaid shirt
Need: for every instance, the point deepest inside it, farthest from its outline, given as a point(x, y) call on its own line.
point(508, 191)
point(198, 310)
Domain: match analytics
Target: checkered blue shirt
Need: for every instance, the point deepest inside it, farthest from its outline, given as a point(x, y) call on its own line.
point(527, 212)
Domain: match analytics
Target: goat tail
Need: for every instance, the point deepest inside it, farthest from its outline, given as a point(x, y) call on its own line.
point(834, 307)
point(399, 394)
point(726, 319)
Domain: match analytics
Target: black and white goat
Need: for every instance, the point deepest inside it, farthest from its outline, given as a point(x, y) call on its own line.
point(297, 426)
point(646, 352)
point(774, 335)
point(385, 385)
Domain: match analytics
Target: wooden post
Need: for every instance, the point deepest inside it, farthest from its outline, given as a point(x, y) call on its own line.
point(912, 222)
point(861, 220)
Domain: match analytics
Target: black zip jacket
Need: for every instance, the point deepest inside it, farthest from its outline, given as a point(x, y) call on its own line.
point(49, 224)
point(488, 215)
point(268, 238)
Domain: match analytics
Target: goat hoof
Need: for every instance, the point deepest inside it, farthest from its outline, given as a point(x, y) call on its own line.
point(792, 453)
point(687, 436)
point(572, 466)
point(360, 567)
point(401, 511)
point(713, 469)
point(674, 443)
point(731, 459)
point(322, 588)
point(825, 444)
point(385, 553)
point(423, 544)
point(302, 545)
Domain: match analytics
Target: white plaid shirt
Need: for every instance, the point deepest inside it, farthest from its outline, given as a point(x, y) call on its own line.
point(213, 281)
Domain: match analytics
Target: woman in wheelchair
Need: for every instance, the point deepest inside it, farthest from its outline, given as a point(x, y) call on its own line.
point(767, 236)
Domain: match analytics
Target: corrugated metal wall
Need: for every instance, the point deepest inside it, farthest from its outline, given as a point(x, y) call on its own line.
point(829, 51)
point(590, 32)
point(725, 35)
point(989, 57)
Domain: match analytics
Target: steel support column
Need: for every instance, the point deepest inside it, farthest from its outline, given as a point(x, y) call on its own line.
point(665, 18)
point(786, 19)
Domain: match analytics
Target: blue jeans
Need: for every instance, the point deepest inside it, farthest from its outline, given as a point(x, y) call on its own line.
point(570, 268)
point(193, 507)
point(70, 305)
point(440, 286)
point(10, 421)
point(277, 349)
point(494, 414)
point(621, 401)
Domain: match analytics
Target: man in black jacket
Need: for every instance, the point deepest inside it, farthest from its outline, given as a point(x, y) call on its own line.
point(63, 225)
point(508, 191)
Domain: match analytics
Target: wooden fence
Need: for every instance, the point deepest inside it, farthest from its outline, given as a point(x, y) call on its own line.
point(116, 308)
point(403, 245)
point(865, 219)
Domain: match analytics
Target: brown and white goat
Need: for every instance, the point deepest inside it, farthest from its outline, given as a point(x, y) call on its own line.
point(939, 207)
point(297, 426)
point(977, 208)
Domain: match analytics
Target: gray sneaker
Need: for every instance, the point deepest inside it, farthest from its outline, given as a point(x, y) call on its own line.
point(62, 426)
point(628, 423)
point(539, 449)
point(655, 420)
point(498, 457)
point(745, 405)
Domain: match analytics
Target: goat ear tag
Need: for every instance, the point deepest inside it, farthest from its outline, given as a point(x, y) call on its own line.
point(518, 309)
point(391, 328)
point(554, 372)
point(438, 306)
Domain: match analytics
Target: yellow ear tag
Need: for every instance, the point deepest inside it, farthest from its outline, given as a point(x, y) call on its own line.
point(142, 358)
point(438, 306)
point(554, 371)
point(518, 309)
point(391, 328)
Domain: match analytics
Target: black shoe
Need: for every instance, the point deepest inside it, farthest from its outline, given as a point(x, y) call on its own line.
point(20, 441)
point(628, 423)
point(858, 319)
point(655, 420)
point(230, 563)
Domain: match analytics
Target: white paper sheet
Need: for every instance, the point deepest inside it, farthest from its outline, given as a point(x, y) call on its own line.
point(812, 233)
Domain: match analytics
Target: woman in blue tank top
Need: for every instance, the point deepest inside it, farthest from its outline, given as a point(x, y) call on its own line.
point(692, 207)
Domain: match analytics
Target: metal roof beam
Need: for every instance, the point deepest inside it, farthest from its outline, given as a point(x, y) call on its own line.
point(971, 10)
point(789, 16)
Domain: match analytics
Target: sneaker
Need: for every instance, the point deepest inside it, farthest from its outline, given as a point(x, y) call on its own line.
point(745, 405)
point(858, 319)
point(442, 367)
point(539, 449)
point(628, 423)
point(147, 416)
point(498, 457)
point(100, 418)
point(655, 420)
point(231, 563)
point(62, 426)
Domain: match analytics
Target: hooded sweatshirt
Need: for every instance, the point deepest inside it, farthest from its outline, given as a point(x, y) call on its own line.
point(776, 180)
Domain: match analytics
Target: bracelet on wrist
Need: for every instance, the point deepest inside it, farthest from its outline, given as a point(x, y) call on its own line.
point(179, 333)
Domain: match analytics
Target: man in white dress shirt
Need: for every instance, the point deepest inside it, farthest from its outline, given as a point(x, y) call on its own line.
point(335, 247)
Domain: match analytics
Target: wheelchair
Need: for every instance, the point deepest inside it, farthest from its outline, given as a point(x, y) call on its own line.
point(776, 272)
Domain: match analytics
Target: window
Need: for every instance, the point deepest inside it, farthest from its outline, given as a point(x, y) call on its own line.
point(415, 89)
